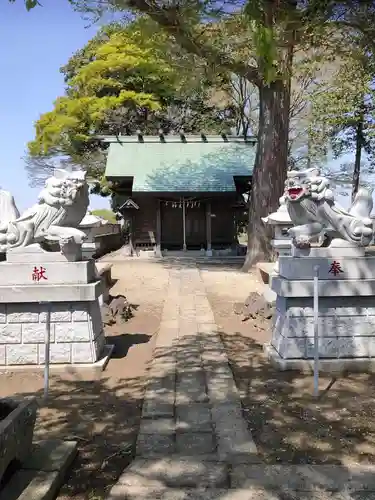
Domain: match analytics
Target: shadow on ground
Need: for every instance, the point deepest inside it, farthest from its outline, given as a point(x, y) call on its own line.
point(123, 342)
point(277, 417)
point(289, 424)
point(106, 432)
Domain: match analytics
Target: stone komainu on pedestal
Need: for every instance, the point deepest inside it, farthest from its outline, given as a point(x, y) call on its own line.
point(44, 275)
point(346, 279)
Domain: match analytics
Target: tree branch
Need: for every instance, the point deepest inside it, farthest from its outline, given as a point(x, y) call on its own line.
point(169, 20)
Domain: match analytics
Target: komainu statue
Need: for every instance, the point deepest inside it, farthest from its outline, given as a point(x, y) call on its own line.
point(62, 205)
point(315, 214)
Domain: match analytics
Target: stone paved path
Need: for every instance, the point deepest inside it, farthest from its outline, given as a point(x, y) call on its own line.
point(193, 443)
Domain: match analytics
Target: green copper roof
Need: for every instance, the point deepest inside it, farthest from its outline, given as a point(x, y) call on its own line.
point(177, 166)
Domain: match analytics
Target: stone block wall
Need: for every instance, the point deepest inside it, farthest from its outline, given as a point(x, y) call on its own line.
point(346, 327)
point(76, 333)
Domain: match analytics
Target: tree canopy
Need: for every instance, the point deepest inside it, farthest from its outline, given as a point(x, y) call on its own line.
point(118, 74)
point(126, 78)
point(343, 108)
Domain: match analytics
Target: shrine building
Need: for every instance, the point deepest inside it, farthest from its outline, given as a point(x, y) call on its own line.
point(181, 192)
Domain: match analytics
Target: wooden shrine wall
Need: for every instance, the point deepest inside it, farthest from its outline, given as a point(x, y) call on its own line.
point(222, 222)
point(144, 222)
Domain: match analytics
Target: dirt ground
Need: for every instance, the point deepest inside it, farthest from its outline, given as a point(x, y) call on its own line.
point(102, 415)
point(288, 424)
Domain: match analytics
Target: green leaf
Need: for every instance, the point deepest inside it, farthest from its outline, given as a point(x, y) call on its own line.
point(31, 4)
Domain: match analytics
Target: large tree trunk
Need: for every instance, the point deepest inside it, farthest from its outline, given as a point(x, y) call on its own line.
point(357, 162)
point(270, 167)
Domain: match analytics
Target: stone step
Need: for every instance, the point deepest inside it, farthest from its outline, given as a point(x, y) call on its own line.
point(190, 478)
point(165, 472)
point(42, 474)
point(123, 492)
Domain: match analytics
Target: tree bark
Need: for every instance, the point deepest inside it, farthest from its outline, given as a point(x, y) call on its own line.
point(270, 168)
point(357, 162)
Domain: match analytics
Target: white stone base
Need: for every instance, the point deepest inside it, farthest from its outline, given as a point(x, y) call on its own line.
point(81, 369)
point(76, 333)
point(51, 293)
point(346, 328)
point(55, 273)
point(342, 365)
point(58, 292)
point(345, 268)
point(327, 288)
point(346, 322)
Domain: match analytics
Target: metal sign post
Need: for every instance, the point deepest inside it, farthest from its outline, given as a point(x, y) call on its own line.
point(47, 342)
point(184, 222)
point(316, 331)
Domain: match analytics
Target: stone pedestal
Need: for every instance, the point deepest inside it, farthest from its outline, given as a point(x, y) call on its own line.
point(36, 285)
point(346, 310)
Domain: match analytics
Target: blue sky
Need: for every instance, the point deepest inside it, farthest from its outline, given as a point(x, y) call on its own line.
point(33, 46)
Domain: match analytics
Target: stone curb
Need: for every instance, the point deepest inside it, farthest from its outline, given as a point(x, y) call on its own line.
point(123, 492)
point(42, 475)
point(235, 442)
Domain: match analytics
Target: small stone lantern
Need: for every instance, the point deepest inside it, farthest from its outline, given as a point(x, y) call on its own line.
point(281, 222)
